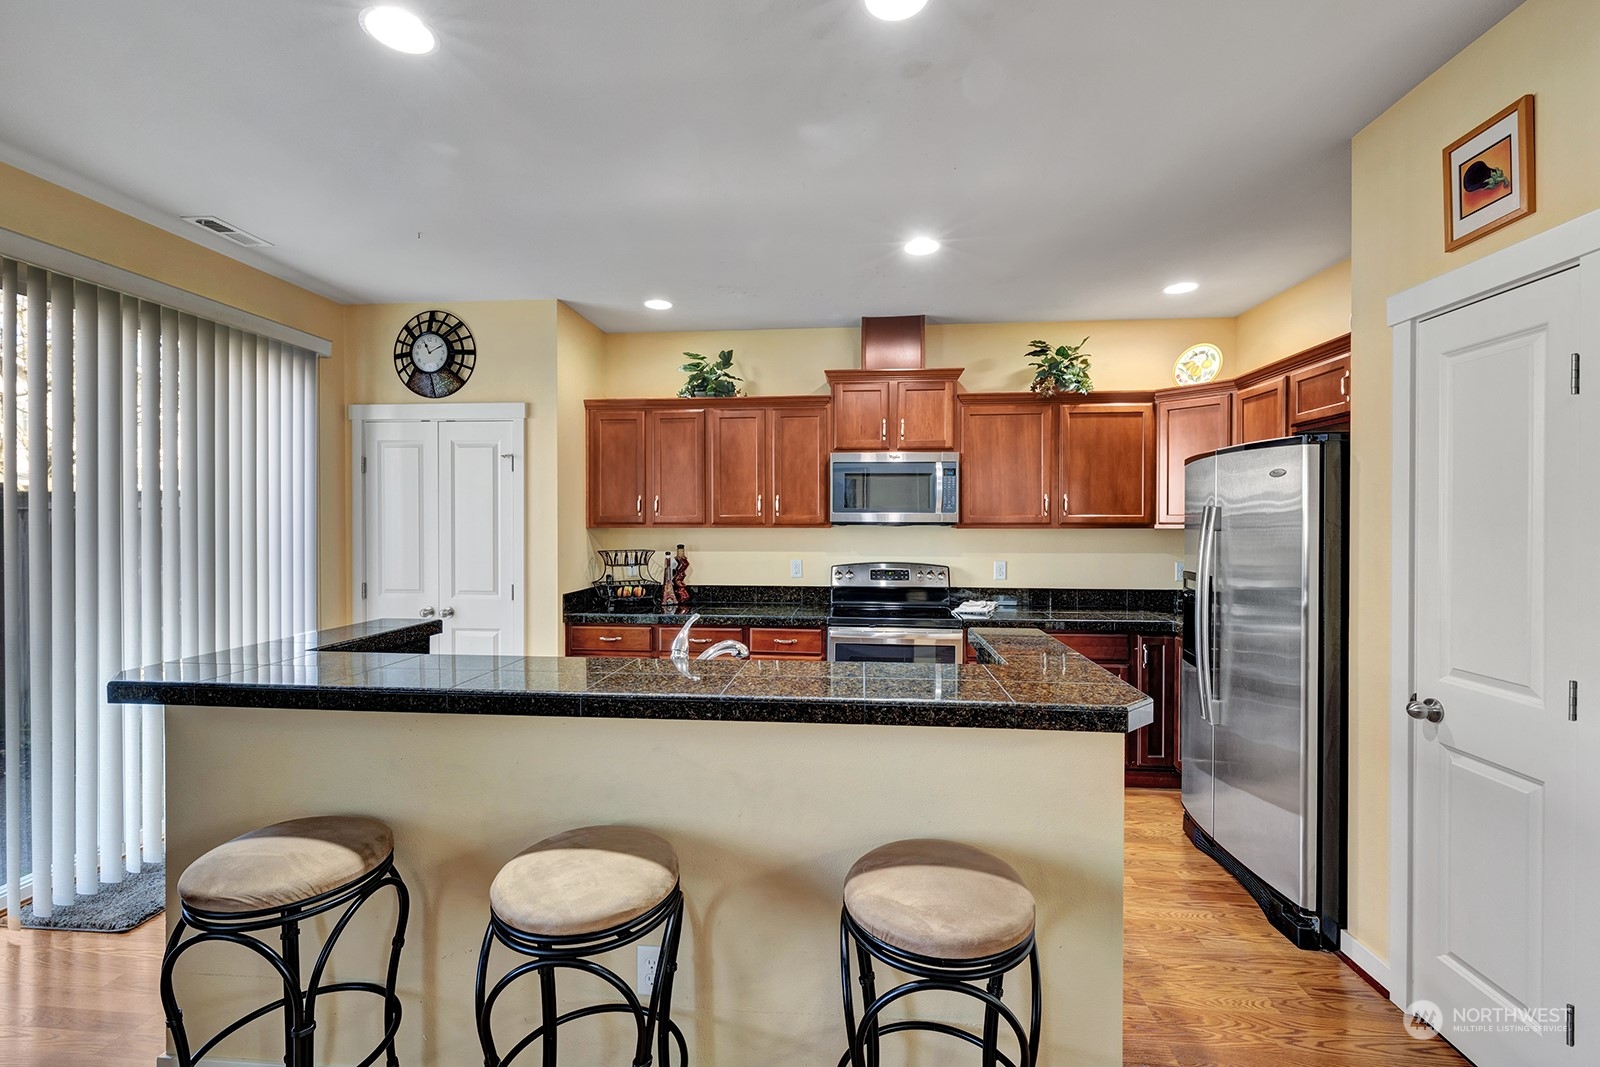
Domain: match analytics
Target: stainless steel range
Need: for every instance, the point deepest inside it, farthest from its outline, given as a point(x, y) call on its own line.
point(893, 613)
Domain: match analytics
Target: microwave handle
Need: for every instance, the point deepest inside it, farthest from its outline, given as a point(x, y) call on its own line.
point(938, 488)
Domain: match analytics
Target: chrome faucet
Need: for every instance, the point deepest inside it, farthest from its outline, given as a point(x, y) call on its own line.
point(680, 645)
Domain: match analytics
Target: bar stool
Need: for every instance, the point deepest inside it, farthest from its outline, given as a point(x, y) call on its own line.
point(574, 896)
point(951, 916)
point(276, 878)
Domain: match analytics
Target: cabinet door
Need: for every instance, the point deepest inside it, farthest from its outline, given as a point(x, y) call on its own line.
point(739, 461)
point(677, 456)
point(1259, 412)
point(861, 416)
point(621, 640)
point(799, 466)
point(1320, 392)
point(923, 416)
point(1007, 455)
point(1186, 427)
point(616, 468)
point(1107, 465)
point(1155, 747)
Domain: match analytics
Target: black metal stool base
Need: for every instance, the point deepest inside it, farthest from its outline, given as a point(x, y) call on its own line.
point(299, 1001)
point(656, 1031)
point(930, 973)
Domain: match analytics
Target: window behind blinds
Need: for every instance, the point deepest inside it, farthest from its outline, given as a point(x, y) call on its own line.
point(157, 502)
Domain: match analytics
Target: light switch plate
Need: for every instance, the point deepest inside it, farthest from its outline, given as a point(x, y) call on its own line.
point(1000, 570)
point(795, 569)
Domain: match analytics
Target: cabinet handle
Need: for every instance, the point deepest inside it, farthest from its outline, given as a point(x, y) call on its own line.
point(609, 640)
point(1063, 505)
point(883, 430)
point(699, 640)
point(758, 503)
point(902, 431)
point(1047, 503)
point(448, 613)
point(1344, 384)
point(425, 613)
point(777, 504)
point(658, 504)
point(786, 640)
point(640, 505)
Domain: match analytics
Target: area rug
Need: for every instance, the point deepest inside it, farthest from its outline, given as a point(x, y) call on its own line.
point(116, 909)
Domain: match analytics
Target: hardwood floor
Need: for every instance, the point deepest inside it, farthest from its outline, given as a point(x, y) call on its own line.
point(1208, 983)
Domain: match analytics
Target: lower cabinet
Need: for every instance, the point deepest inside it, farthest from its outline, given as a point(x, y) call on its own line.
point(643, 641)
point(1151, 665)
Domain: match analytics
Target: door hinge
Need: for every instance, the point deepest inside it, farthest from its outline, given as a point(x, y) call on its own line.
point(363, 464)
point(1577, 361)
point(1572, 1026)
point(1572, 701)
point(363, 590)
point(513, 591)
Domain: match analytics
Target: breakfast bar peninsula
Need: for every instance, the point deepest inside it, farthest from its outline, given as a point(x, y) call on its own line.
point(768, 778)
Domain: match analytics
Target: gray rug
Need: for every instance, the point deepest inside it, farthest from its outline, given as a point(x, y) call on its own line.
point(116, 909)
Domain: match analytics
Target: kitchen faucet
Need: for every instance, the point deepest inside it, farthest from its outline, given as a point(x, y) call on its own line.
point(680, 645)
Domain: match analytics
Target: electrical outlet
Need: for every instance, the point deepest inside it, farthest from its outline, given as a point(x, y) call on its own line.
point(1177, 570)
point(795, 569)
point(649, 957)
point(1000, 570)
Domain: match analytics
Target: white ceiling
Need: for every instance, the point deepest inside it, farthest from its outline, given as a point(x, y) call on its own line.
point(759, 162)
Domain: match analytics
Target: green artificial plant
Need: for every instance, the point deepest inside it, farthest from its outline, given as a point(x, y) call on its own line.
point(709, 377)
point(1061, 370)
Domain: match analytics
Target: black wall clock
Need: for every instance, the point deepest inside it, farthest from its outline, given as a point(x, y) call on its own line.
point(434, 354)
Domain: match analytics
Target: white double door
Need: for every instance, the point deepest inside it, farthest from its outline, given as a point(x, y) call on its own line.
point(1503, 635)
point(442, 529)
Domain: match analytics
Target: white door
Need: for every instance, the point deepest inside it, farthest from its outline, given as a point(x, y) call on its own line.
point(442, 530)
point(1499, 635)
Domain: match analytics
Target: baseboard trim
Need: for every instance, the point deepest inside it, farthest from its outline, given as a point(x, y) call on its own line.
point(166, 1059)
point(1362, 960)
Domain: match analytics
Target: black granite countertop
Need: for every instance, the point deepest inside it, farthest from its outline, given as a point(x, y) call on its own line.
point(1034, 686)
point(778, 615)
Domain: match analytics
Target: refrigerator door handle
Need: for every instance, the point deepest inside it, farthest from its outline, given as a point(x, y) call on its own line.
point(1203, 619)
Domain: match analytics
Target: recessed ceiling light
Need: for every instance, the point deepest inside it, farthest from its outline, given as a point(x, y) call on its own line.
point(658, 305)
point(921, 246)
point(1179, 288)
point(895, 10)
point(399, 29)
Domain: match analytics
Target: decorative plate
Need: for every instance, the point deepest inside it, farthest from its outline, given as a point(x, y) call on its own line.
point(1197, 365)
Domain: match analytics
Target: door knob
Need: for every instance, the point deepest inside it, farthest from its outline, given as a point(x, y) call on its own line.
point(447, 613)
point(1429, 709)
point(426, 613)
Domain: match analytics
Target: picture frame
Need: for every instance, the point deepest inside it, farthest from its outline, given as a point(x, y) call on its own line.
point(1489, 176)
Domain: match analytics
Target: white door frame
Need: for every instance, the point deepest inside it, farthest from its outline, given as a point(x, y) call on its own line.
point(361, 414)
point(1572, 244)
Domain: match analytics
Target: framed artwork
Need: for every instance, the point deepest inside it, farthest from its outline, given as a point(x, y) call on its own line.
point(1488, 176)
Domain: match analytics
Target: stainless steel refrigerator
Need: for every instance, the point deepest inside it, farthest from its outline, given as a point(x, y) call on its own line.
point(1263, 740)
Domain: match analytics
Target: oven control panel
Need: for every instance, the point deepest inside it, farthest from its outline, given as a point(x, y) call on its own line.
point(892, 575)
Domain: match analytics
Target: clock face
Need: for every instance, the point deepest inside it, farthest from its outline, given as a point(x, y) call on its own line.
point(434, 354)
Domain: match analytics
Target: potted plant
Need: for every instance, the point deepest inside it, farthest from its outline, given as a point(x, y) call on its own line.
point(1061, 370)
point(709, 377)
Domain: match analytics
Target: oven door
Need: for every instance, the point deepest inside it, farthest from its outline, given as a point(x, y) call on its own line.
point(895, 644)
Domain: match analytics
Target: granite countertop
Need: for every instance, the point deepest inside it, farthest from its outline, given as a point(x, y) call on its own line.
point(780, 615)
point(1041, 685)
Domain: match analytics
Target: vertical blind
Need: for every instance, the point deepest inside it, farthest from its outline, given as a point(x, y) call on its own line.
point(157, 501)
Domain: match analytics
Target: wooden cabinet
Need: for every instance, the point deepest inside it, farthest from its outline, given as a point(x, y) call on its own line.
point(769, 642)
point(739, 462)
point(676, 451)
point(799, 435)
point(1007, 462)
point(616, 468)
point(1259, 411)
point(1151, 665)
point(1320, 394)
point(903, 412)
point(609, 640)
point(1106, 465)
point(644, 641)
point(1188, 424)
point(700, 638)
point(769, 465)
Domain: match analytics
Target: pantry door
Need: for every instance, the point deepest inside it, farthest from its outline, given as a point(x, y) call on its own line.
point(1502, 637)
point(439, 526)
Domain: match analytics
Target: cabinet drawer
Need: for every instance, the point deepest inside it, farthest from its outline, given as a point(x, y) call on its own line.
point(1102, 648)
point(772, 641)
point(610, 640)
point(700, 638)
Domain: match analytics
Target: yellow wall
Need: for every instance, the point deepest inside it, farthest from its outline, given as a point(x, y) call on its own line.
point(1296, 319)
point(1550, 48)
point(580, 354)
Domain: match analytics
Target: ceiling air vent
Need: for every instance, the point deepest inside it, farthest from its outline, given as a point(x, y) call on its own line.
point(228, 230)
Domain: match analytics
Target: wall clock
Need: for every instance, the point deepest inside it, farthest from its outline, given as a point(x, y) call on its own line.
point(434, 354)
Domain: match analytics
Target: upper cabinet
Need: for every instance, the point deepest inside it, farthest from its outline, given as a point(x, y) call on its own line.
point(1320, 393)
point(1306, 391)
point(912, 410)
point(1189, 423)
point(739, 462)
point(1030, 462)
point(1260, 413)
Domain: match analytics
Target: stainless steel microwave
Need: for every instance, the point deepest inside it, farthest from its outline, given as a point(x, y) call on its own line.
point(896, 488)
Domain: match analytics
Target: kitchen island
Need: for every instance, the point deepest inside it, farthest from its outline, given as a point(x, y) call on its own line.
point(770, 779)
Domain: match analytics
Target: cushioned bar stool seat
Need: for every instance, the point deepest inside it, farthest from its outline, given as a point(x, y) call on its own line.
point(954, 917)
point(572, 897)
point(273, 879)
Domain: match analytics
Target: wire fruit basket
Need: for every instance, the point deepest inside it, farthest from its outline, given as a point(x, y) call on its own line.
point(627, 580)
